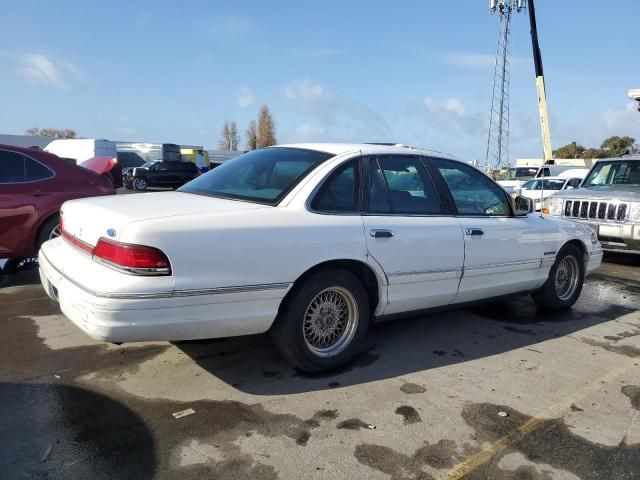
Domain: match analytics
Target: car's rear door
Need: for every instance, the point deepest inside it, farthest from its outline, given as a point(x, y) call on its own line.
point(503, 252)
point(23, 199)
point(410, 233)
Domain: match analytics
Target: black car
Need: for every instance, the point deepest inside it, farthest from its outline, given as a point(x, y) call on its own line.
point(166, 173)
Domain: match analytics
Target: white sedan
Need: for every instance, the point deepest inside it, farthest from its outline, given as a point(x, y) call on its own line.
point(311, 242)
point(540, 189)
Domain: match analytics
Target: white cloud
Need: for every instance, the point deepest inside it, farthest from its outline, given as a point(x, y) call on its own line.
point(304, 90)
point(451, 105)
point(40, 69)
point(246, 98)
point(231, 25)
point(326, 116)
point(308, 132)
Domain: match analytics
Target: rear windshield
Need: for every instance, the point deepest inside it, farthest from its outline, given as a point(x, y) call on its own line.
point(263, 176)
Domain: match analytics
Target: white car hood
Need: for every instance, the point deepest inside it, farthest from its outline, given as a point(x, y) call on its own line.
point(91, 218)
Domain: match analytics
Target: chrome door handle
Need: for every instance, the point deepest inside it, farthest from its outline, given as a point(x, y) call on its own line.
point(380, 233)
point(474, 232)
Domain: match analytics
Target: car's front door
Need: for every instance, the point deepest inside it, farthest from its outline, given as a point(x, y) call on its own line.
point(410, 234)
point(503, 252)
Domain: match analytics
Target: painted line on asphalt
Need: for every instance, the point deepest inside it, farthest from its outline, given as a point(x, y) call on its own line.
point(554, 411)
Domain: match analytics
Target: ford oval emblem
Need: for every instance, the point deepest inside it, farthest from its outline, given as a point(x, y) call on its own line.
point(111, 232)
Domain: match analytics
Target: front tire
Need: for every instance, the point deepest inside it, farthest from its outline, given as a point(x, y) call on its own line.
point(140, 184)
point(564, 285)
point(324, 321)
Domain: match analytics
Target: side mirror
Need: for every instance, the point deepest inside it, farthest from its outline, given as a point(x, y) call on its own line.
point(523, 205)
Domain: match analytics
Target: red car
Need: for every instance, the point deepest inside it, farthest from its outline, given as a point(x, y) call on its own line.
point(33, 186)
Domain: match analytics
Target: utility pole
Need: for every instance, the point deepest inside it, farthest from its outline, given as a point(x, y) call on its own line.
point(498, 142)
point(540, 86)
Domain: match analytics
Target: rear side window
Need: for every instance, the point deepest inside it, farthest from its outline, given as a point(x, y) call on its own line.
point(472, 192)
point(34, 171)
point(339, 193)
point(16, 168)
point(399, 184)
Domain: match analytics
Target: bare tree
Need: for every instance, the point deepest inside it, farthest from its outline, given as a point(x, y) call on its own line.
point(229, 138)
point(252, 135)
point(52, 132)
point(266, 129)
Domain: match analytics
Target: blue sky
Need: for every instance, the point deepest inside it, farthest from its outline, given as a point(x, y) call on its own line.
point(416, 72)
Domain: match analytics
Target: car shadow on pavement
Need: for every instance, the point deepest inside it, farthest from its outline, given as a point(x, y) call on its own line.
point(62, 431)
point(26, 274)
point(252, 365)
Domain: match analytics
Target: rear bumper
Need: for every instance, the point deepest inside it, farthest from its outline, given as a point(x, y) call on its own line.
point(161, 317)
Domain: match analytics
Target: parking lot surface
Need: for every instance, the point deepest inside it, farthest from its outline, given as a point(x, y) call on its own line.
point(498, 391)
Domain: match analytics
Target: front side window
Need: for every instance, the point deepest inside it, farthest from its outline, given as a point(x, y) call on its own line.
point(339, 193)
point(473, 193)
point(399, 184)
point(11, 167)
point(263, 176)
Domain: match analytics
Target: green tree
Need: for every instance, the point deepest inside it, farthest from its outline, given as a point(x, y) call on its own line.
point(616, 146)
point(571, 150)
point(592, 153)
point(52, 132)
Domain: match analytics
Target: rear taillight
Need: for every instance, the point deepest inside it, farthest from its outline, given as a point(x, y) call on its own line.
point(138, 259)
point(135, 259)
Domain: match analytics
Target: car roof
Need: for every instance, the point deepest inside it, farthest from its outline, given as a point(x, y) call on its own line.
point(367, 149)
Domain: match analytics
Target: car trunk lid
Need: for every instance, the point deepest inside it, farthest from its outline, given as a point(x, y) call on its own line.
point(90, 219)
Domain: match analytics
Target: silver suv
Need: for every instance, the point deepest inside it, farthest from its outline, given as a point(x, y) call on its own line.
point(608, 200)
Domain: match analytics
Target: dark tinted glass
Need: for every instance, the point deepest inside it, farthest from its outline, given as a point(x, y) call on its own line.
point(401, 183)
point(264, 175)
point(171, 151)
point(473, 193)
point(34, 171)
point(11, 167)
point(164, 166)
point(338, 194)
point(129, 159)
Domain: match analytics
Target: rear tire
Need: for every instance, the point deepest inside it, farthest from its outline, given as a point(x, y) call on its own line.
point(564, 285)
point(107, 176)
point(49, 230)
point(324, 321)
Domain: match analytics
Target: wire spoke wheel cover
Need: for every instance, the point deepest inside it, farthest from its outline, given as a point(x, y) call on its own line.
point(330, 321)
point(567, 276)
point(55, 233)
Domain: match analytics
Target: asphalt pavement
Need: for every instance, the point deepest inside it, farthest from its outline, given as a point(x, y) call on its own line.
point(499, 391)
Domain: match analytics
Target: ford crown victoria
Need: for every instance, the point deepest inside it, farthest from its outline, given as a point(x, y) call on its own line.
point(310, 242)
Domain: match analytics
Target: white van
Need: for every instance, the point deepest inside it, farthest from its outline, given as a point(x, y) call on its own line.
point(99, 156)
point(81, 149)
